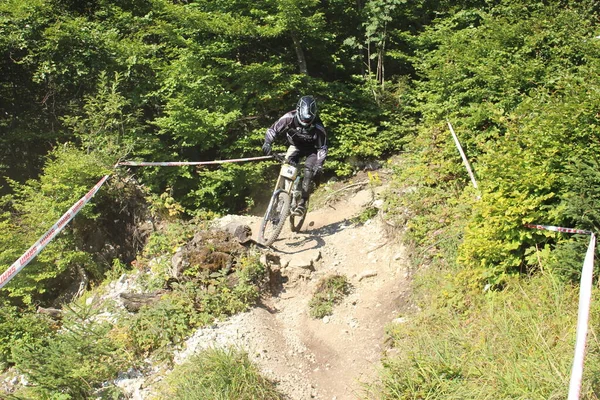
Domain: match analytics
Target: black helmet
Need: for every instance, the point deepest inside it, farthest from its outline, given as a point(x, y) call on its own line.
point(306, 110)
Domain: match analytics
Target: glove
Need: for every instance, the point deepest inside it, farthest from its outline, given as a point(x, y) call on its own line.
point(266, 148)
point(317, 170)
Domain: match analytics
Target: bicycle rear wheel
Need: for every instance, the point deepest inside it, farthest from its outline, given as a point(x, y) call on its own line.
point(297, 221)
point(274, 218)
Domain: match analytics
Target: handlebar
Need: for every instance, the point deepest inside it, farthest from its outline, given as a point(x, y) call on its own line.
point(282, 159)
point(278, 156)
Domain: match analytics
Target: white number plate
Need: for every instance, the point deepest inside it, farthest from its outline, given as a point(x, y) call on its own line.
point(289, 171)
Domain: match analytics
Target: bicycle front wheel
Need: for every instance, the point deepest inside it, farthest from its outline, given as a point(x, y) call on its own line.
point(274, 218)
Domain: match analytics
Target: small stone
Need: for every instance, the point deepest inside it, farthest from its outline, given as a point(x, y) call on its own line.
point(326, 319)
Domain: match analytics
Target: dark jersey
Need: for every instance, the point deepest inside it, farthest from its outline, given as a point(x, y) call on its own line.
point(304, 138)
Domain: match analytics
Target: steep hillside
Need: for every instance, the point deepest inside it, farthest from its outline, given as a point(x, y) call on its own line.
point(324, 358)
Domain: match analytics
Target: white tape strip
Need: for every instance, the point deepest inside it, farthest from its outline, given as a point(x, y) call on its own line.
point(182, 163)
point(462, 154)
point(585, 298)
point(47, 237)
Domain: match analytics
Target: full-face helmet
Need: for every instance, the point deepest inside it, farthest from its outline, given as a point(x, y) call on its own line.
point(306, 110)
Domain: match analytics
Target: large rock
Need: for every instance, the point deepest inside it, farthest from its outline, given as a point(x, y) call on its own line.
point(134, 301)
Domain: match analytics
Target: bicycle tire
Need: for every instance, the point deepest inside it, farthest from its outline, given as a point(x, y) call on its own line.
point(274, 218)
point(296, 221)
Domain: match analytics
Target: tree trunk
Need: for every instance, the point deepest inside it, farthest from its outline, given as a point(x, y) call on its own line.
point(299, 54)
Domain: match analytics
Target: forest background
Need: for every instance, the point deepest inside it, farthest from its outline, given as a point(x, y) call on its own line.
point(88, 83)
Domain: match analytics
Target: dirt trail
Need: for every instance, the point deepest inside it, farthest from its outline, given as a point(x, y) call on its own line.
point(326, 358)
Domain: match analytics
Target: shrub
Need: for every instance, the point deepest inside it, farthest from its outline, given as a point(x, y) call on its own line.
point(74, 361)
point(160, 326)
point(20, 328)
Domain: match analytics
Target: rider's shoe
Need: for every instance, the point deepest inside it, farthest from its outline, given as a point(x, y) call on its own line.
point(300, 209)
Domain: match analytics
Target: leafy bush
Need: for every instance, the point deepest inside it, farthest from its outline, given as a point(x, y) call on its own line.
point(218, 374)
point(156, 328)
point(330, 291)
point(231, 294)
point(159, 327)
point(74, 361)
point(497, 300)
point(18, 328)
point(36, 205)
point(514, 79)
point(365, 215)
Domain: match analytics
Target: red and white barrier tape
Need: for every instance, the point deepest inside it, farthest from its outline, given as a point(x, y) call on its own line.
point(583, 314)
point(558, 229)
point(49, 235)
point(38, 246)
point(182, 163)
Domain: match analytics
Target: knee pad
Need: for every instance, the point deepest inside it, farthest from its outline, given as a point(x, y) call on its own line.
point(306, 182)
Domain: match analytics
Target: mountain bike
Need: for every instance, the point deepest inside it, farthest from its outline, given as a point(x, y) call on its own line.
point(287, 194)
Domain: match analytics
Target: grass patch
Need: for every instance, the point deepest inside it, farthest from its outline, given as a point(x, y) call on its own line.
point(365, 215)
point(513, 344)
point(330, 291)
point(220, 375)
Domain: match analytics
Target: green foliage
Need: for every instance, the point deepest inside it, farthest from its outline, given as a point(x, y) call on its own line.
point(108, 126)
point(159, 327)
point(226, 296)
point(226, 189)
point(168, 239)
point(160, 247)
point(187, 81)
point(514, 78)
point(511, 79)
point(74, 361)
point(19, 328)
point(197, 302)
point(330, 291)
point(36, 206)
point(365, 215)
point(218, 374)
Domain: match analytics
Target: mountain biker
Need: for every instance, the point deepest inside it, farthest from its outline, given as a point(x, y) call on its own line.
point(307, 138)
